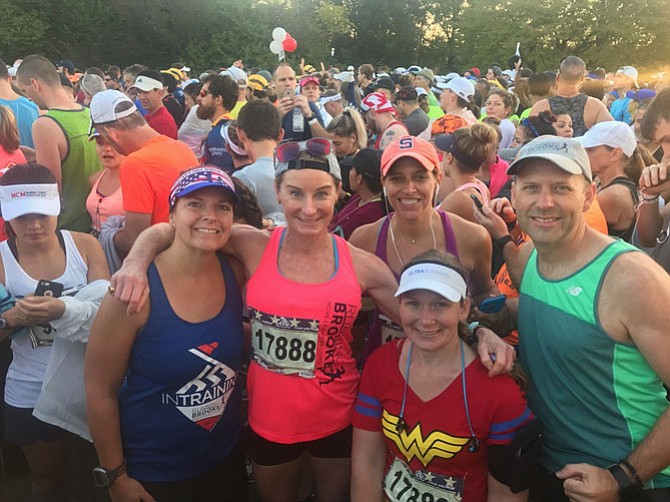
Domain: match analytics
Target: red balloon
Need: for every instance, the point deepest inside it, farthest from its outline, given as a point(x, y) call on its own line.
point(289, 44)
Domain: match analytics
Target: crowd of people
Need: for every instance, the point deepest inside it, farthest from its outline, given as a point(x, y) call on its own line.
point(320, 281)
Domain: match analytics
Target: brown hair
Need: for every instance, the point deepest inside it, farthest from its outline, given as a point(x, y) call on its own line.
point(39, 68)
point(9, 132)
point(507, 98)
point(475, 143)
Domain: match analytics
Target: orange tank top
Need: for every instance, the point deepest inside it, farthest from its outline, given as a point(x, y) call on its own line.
point(302, 381)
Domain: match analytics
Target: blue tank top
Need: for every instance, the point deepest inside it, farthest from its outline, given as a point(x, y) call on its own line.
point(179, 405)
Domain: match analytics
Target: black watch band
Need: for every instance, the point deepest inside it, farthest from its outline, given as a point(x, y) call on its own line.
point(626, 484)
point(500, 242)
point(103, 477)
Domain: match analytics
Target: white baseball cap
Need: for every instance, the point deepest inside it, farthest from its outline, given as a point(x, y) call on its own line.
point(38, 198)
point(435, 277)
point(629, 71)
point(460, 86)
point(106, 107)
point(613, 134)
point(566, 154)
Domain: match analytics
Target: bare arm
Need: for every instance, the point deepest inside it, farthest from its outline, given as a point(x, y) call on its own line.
point(649, 216)
point(130, 282)
point(134, 225)
point(377, 281)
point(650, 221)
point(390, 135)
point(499, 492)
point(368, 457)
point(642, 319)
point(540, 106)
point(50, 146)
point(107, 355)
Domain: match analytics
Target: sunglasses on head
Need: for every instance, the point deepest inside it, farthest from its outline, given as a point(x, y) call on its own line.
point(317, 147)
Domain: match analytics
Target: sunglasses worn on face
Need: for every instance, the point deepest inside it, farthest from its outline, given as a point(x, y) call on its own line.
point(317, 147)
point(203, 93)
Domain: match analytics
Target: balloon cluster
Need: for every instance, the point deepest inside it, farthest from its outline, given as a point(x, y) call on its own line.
point(282, 41)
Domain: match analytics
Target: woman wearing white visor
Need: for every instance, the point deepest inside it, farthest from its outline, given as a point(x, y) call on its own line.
point(429, 424)
point(38, 263)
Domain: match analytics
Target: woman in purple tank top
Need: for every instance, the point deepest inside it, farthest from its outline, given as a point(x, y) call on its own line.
point(410, 179)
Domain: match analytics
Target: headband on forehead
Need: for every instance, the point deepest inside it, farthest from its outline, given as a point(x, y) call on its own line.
point(37, 198)
point(435, 277)
point(331, 99)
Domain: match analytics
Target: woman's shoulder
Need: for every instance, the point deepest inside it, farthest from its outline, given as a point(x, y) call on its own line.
point(83, 241)
point(365, 236)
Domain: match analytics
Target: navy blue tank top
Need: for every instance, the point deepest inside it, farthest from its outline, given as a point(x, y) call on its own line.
point(179, 404)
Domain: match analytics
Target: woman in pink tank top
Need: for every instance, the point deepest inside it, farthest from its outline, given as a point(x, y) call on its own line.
point(105, 198)
point(303, 295)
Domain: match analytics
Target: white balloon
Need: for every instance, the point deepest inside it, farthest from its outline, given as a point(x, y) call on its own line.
point(278, 34)
point(275, 47)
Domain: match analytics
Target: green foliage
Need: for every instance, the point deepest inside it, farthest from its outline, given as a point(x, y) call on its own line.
point(444, 34)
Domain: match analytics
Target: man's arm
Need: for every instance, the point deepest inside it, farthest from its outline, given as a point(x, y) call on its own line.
point(392, 134)
point(540, 106)
point(602, 114)
point(134, 225)
point(649, 217)
point(50, 146)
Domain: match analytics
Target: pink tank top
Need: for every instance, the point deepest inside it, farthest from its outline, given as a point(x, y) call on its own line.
point(302, 380)
point(479, 186)
point(101, 207)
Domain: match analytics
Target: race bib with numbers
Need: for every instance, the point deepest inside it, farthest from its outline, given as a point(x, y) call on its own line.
point(284, 345)
point(403, 485)
point(390, 330)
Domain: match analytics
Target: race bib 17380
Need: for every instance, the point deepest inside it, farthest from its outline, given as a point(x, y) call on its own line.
point(403, 485)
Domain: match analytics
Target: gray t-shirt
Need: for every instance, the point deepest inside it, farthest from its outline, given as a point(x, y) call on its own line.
point(259, 178)
point(416, 122)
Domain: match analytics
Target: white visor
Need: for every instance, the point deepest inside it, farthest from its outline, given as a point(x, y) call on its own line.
point(18, 200)
point(440, 279)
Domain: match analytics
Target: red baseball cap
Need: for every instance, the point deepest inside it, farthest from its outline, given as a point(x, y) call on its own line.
point(413, 147)
point(309, 80)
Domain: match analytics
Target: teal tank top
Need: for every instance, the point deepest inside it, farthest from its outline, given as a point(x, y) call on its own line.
point(81, 161)
point(598, 398)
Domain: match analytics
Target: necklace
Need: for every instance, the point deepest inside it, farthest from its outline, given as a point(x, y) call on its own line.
point(401, 258)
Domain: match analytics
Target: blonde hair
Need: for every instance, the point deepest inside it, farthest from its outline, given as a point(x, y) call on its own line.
point(9, 132)
point(347, 123)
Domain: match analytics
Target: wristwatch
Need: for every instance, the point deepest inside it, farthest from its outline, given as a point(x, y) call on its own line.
point(626, 484)
point(103, 477)
point(3, 323)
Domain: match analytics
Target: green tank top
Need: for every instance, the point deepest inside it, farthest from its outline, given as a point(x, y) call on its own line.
point(598, 398)
point(81, 161)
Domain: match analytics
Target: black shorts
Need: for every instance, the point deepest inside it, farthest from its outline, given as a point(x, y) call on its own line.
point(227, 482)
point(264, 452)
point(22, 428)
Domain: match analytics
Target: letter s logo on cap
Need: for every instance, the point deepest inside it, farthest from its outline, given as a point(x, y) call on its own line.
point(407, 142)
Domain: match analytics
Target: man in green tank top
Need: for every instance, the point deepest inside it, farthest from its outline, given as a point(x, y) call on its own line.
point(61, 139)
point(593, 336)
